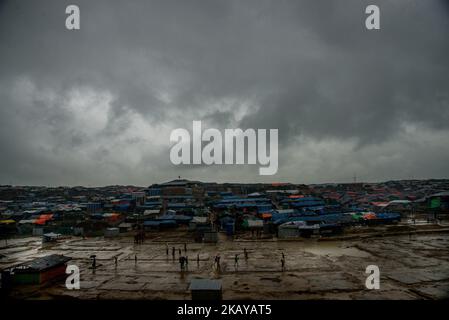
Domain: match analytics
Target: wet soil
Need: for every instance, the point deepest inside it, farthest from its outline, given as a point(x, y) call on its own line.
point(411, 267)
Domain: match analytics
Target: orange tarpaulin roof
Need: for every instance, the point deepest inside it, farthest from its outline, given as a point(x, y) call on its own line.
point(114, 217)
point(266, 215)
point(369, 216)
point(43, 218)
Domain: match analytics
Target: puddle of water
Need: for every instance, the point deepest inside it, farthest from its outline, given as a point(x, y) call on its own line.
point(334, 250)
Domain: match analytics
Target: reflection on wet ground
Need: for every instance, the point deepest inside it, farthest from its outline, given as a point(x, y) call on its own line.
point(411, 267)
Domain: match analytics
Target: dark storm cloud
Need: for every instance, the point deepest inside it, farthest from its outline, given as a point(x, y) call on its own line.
point(96, 106)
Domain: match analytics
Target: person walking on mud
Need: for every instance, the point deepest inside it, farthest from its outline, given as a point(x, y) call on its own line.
point(236, 260)
point(185, 247)
point(116, 261)
point(282, 264)
point(94, 261)
point(218, 261)
point(166, 249)
point(179, 251)
point(135, 259)
point(245, 253)
point(198, 259)
point(173, 253)
point(186, 260)
point(181, 263)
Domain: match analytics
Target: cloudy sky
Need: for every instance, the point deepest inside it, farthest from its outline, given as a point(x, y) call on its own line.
point(96, 106)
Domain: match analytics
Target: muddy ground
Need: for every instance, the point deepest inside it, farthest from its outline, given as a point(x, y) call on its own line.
point(411, 266)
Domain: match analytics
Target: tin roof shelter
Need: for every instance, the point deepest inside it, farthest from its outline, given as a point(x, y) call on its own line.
point(37, 271)
point(205, 289)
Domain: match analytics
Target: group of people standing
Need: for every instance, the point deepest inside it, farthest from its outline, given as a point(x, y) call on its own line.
point(184, 260)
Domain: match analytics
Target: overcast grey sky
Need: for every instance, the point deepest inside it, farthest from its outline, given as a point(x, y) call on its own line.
point(96, 106)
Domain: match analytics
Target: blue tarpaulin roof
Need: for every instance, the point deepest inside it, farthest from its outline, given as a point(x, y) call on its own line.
point(155, 223)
